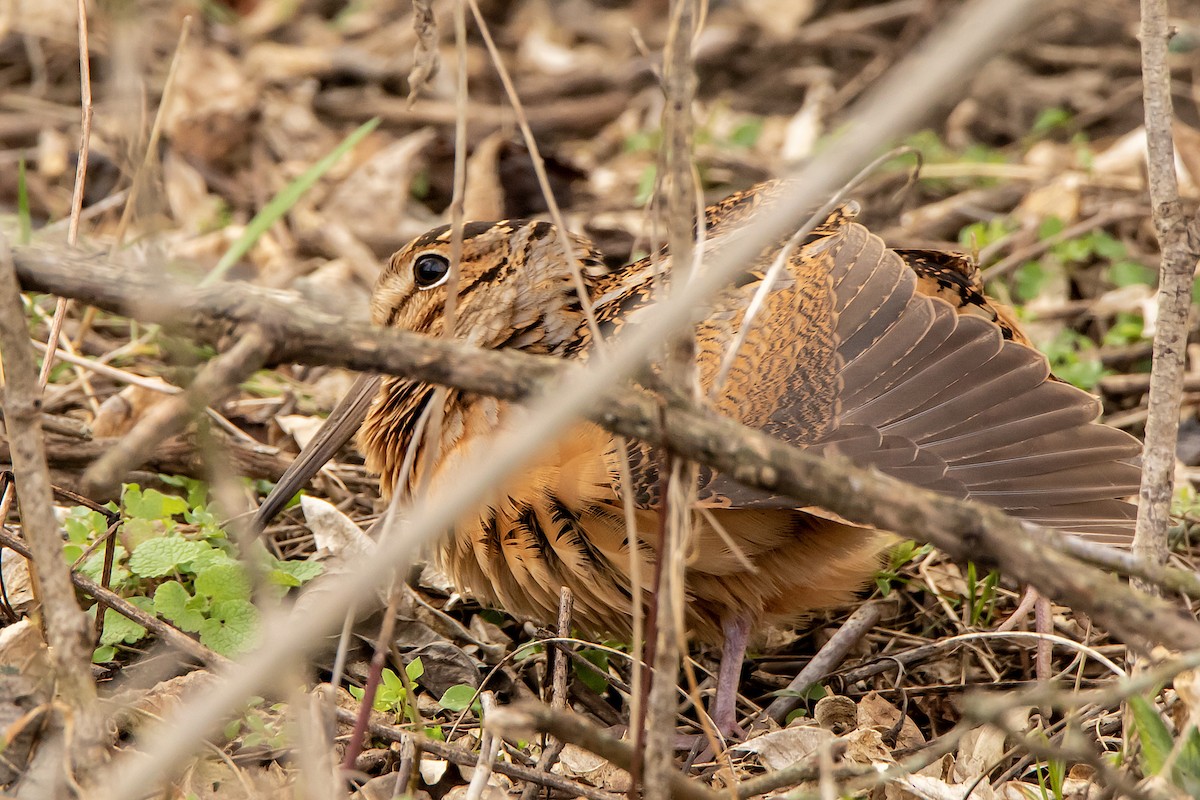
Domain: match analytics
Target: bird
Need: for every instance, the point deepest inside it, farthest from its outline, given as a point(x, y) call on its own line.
point(894, 359)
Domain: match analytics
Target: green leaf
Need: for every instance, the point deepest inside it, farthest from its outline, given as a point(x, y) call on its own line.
point(590, 678)
point(197, 490)
point(415, 669)
point(1152, 732)
point(645, 186)
point(296, 572)
point(224, 582)
point(151, 503)
point(174, 602)
point(135, 532)
point(210, 557)
point(747, 133)
point(1050, 226)
point(281, 203)
point(232, 627)
point(1130, 273)
point(1084, 373)
point(104, 654)
point(163, 556)
point(1049, 120)
point(1108, 247)
point(83, 524)
point(1029, 279)
point(458, 697)
point(118, 629)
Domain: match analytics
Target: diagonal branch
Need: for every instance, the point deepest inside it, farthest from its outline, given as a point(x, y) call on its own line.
point(964, 530)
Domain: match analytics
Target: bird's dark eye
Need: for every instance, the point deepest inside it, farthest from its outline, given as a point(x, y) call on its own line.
point(430, 269)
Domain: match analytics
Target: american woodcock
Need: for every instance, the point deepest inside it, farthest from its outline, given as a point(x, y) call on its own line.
point(894, 359)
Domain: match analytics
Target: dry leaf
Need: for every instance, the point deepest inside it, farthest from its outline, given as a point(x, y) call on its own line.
point(876, 712)
point(333, 532)
point(575, 762)
point(782, 748)
point(375, 194)
point(979, 752)
point(119, 413)
point(301, 427)
point(213, 104)
point(432, 769)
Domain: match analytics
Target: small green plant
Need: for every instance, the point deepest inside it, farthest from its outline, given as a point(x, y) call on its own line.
point(174, 559)
point(1051, 777)
point(1174, 759)
point(979, 235)
point(981, 596)
point(1073, 358)
point(902, 555)
point(391, 696)
point(1049, 121)
point(259, 725)
point(460, 697)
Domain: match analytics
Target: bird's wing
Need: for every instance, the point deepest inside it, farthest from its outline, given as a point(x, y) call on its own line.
point(848, 356)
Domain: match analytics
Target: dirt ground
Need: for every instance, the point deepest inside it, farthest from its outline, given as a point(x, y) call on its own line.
point(1037, 171)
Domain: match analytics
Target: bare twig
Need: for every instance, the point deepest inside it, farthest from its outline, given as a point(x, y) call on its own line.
point(552, 749)
point(167, 633)
point(827, 659)
point(66, 628)
point(464, 757)
point(170, 417)
point(306, 335)
point(489, 748)
point(679, 186)
point(1176, 239)
point(81, 165)
point(525, 717)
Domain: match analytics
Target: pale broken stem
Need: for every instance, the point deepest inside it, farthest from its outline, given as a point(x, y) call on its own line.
point(489, 749)
point(426, 60)
point(148, 158)
point(66, 627)
point(553, 748)
point(81, 165)
point(683, 225)
point(539, 169)
point(972, 33)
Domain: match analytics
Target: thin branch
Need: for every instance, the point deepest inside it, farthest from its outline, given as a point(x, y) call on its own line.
point(66, 627)
point(218, 377)
point(81, 165)
point(1177, 242)
point(165, 632)
point(521, 719)
point(964, 530)
point(462, 756)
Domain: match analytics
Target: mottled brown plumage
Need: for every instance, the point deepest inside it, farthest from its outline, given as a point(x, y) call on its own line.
point(894, 359)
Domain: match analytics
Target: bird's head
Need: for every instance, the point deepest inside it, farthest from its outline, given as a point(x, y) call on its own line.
point(514, 288)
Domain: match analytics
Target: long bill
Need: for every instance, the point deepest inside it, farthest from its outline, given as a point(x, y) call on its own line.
point(339, 426)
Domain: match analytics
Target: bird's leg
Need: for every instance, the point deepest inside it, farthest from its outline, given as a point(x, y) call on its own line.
point(736, 630)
